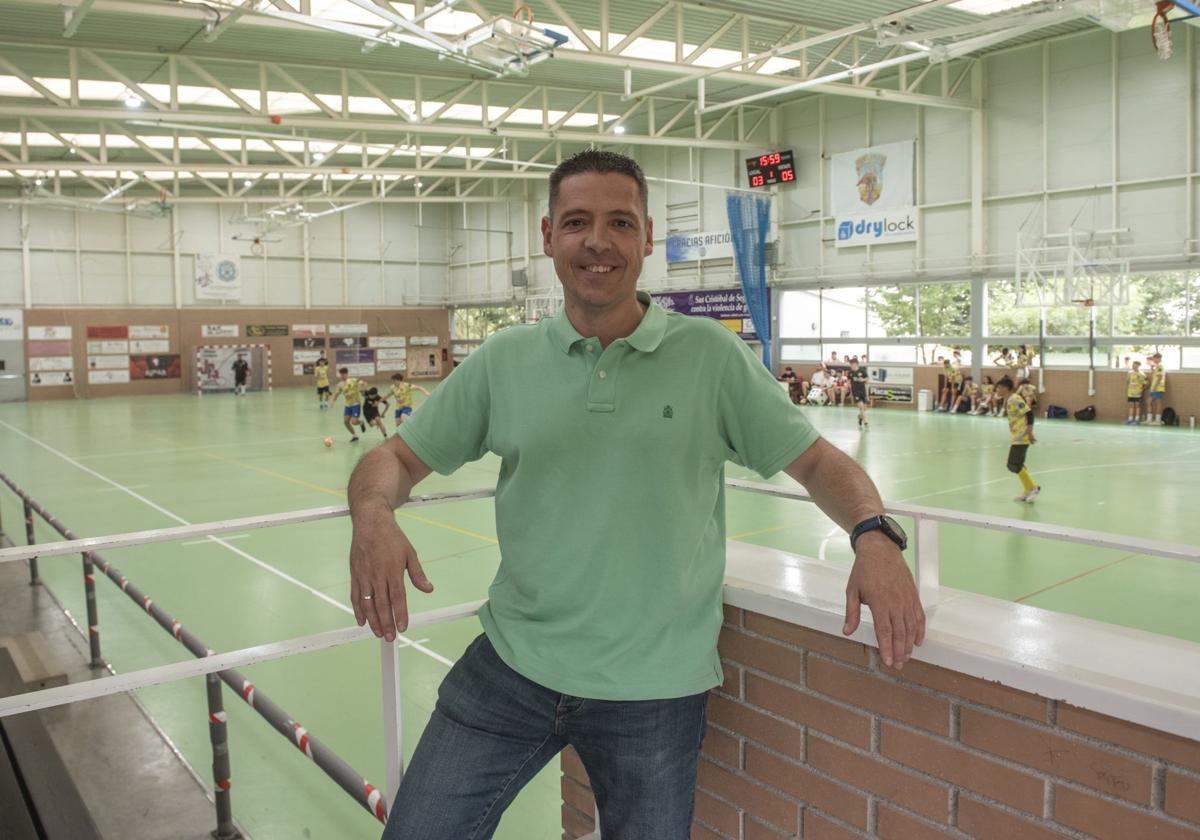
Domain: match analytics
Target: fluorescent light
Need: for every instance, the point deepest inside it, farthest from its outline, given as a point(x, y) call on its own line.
point(248, 183)
point(989, 7)
point(318, 156)
point(618, 129)
point(133, 101)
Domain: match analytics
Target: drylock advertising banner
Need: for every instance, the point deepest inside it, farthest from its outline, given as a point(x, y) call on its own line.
point(872, 195)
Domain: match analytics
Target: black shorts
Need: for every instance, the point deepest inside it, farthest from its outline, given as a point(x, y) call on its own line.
point(370, 415)
point(1135, 399)
point(859, 392)
point(239, 381)
point(1016, 457)
point(323, 389)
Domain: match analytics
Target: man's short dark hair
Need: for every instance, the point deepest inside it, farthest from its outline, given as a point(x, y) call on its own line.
point(343, 370)
point(1005, 383)
point(602, 163)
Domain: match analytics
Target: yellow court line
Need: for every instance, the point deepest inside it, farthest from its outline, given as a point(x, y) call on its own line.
point(745, 534)
point(1108, 565)
point(341, 494)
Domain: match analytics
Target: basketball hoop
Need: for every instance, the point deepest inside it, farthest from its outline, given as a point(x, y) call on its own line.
point(1160, 29)
point(256, 247)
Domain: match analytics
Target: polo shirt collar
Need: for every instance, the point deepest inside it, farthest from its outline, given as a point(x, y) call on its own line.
point(646, 338)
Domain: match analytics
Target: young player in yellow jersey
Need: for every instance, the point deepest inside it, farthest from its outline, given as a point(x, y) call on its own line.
point(321, 380)
point(402, 394)
point(1158, 390)
point(1133, 394)
point(987, 393)
point(349, 387)
point(1020, 428)
point(1028, 392)
point(950, 391)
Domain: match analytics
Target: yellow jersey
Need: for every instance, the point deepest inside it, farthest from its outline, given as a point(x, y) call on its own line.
point(1137, 384)
point(402, 393)
point(348, 388)
point(987, 388)
point(1028, 393)
point(1018, 420)
point(955, 374)
point(1158, 380)
point(321, 376)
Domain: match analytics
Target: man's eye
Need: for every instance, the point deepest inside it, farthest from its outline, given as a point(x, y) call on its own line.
point(573, 222)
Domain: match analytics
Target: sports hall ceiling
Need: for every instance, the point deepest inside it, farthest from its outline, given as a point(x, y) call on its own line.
point(273, 102)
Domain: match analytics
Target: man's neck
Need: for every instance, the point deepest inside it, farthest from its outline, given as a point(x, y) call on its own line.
point(606, 324)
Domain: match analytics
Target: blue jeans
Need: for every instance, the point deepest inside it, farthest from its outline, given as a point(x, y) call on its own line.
point(493, 730)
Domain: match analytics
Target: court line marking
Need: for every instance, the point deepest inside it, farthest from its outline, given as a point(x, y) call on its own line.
point(190, 448)
point(1108, 565)
point(114, 489)
point(205, 541)
point(836, 529)
point(261, 564)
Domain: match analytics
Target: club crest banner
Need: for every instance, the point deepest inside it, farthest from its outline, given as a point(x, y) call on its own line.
point(218, 277)
point(872, 192)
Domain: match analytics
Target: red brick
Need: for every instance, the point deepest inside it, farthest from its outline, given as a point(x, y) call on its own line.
point(801, 783)
point(1141, 739)
point(750, 797)
point(869, 773)
point(724, 818)
point(733, 615)
point(896, 825)
point(699, 832)
point(809, 710)
point(1063, 757)
point(868, 691)
point(722, 747)
point(974, 689)
point(983, 822)
point(578, 796)
point(844, 649)
point(733, 680)
point(573, 767)
point(817, 827)
point(1183, 796)
point(963, 768)
point(576, 824)
point(756, 830)
point(779, 736)
point(1110, 821)
point(761, 654)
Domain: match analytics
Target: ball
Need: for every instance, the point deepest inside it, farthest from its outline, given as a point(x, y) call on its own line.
point(328, 442)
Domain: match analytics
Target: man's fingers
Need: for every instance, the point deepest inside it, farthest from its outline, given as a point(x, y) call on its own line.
point(883, 636)
point(356, 601)
point(398, 605)
point(417, 574)
point(853, 611)
point(368, 608)
point(901, 646)
point(920, 624)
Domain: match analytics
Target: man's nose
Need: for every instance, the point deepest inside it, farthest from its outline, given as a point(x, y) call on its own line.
point(597, 237)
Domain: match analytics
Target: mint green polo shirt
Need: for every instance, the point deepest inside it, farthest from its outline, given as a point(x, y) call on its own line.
point(610, 505)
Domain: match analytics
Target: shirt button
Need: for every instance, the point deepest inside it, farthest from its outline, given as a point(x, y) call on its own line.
point(591, 349)
point(603, 374)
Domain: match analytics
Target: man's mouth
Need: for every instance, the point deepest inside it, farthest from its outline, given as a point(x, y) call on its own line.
point(599, 269)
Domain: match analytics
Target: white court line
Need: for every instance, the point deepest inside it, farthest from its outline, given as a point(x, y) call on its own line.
point(265, 566)
point(116, 489)
point(206, 540)
point(834, 531)
point(192, 448)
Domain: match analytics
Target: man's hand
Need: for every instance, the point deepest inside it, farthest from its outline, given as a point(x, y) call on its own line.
point(380, 554)
point(881, 580)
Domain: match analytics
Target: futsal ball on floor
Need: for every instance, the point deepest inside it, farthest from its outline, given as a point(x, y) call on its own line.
point(328, 442)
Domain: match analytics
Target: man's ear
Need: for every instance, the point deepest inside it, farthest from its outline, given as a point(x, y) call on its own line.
point(649, 249)
point(546, 248)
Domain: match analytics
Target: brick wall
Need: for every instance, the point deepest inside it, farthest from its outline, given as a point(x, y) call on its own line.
point(810, 736)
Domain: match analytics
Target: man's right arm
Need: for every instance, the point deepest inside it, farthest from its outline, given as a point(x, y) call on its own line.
point(380, 553)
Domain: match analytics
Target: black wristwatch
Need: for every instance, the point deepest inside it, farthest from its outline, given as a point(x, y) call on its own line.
point(890, 527)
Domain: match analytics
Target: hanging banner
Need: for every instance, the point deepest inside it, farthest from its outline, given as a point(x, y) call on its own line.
point(305, 330)
point(108, 362)
point(218, 277)
point(725, 305)
point(12, 324)
point(108, 346)
point(107, 377)
point(872, 195)
point(149, 346)
point(108, 332)
point(49, 333)
point(263, 330)
point(51, 377)
point(347, 329)
point(40, 363)
point(219, 330)
point(149, 331)
point(154, 366)
point(387, 341)
point(690, 247)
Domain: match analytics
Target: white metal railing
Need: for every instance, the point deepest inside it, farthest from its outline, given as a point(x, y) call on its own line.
point(925, 547)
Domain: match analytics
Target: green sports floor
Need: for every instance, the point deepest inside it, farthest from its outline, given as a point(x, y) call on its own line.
point(123, 464)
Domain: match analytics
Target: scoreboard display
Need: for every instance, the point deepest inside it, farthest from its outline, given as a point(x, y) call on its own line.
point(771, 168)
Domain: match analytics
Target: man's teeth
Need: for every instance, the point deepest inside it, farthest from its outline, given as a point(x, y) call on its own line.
point(598, 269)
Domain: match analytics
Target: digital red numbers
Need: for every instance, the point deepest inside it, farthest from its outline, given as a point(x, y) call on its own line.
point(757, 180)
point(771, 168)
point(769, 160)
point(787, 175)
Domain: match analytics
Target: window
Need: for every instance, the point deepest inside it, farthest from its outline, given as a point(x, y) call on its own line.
point(1004, 317)
point(843, 313)
point(891, 311)
point(799, 314)
point(1158, 305)
point(477, 323)
point(945, 309)
point(894, 353)
point(800, 353)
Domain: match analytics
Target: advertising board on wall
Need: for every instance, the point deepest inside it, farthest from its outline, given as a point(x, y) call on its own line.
point(51, 377)
point(49, 333)
point(108, 377)
point(155, 366)
point(307, 356)
point(690, 247)
point(387, 341)
point(725, 305)
point(306, 330)
point(156, 345)
point(347, 329)
point(219, 331)
point(264, 330)
point(872, 194)
point(149, 331)
point(40, 363)
point(108, 362)
point(111, 346)
point(12, 324)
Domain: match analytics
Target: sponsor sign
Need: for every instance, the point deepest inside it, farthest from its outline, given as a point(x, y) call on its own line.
point(108, 362)
point(108, 346)
point(219, 331)
point(348, 341)
point(387, 341)
point(40, 363)
point(351, 357)
point(155, 366)
point(391, 365)
point(49, 348)
point(309, 356)
point(423, 340)
point(308, 329)
point(361, 369)
point(424, 362)
point(390, 353)
point(690, 247)
point(214, 366)
point(108, 332)
point(12, 324)
point(49, 333)
point(264, 330)
point(890, 393)
point(51, 377)
point(307, 343)
point(149, 331)
point(890, 375)
point(218, 277)
point(872, 195)
point(156, 345)
point(107, 377)
point(347, 329)
point(725, 305)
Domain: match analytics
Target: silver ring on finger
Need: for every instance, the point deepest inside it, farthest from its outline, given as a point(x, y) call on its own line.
point(367, 597)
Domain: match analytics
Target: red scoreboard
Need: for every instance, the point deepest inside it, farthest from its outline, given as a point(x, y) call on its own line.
point(771, 168)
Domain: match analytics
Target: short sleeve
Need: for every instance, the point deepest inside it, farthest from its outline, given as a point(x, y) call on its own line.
point(451, 427)
point(759, 423)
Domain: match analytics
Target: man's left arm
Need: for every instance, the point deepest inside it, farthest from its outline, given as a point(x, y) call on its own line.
point(880, 578)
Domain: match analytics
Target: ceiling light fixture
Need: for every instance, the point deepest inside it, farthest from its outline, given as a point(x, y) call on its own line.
point(133, 101)
point(618, 129)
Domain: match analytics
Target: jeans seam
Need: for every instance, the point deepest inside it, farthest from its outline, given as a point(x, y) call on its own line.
point(507, 785)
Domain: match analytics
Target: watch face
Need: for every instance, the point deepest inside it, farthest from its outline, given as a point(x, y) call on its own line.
point(894, 530)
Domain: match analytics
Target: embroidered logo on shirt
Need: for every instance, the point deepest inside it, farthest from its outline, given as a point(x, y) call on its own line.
point(668, 412)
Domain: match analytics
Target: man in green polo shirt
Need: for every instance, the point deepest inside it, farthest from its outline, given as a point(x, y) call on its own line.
point(613, 421)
